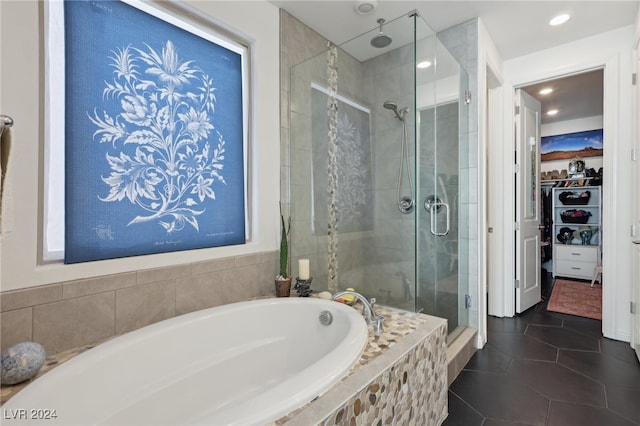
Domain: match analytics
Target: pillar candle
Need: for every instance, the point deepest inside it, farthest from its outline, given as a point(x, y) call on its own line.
point(303, 269)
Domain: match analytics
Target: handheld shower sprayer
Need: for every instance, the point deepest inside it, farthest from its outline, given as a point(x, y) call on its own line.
point(394, 107)
point(405, 202)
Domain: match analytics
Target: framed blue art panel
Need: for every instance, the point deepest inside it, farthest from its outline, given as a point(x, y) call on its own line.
point(155, 133)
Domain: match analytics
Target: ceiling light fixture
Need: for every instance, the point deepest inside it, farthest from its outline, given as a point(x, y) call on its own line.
point(365, 7)
point(546, 91)
point(552, 112)
point(559, 19)
point(423, 64)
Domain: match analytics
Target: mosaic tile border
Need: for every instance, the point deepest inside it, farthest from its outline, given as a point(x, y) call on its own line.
point(412, 391)
point(401, 377)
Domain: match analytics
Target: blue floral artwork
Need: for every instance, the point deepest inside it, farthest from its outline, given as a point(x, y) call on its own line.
point(154, 136)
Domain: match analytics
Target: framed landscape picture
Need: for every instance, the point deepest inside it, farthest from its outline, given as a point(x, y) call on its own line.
point(588, 143)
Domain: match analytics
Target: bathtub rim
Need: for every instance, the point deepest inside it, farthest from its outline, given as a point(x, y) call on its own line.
point(358, 331)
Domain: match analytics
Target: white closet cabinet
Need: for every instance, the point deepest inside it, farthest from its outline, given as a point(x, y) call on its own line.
point(577, 231)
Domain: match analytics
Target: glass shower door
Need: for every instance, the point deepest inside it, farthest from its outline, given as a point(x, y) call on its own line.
point(442, 115)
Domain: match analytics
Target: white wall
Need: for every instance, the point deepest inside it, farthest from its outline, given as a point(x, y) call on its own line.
point(22, 97)
point(613, 51)
point(491, 153)
point(635, 338)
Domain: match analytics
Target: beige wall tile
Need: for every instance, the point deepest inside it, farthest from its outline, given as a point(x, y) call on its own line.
point(238, 283)
point(29, 297)
point(200, 292)
point(15, 327)
point(162, 274)
point(269, 257)
point(212, 266)
point(75, 313)
point(143, 305)
point(246, 260)
point(79, 288)
point(72, 323)
point(265, 280)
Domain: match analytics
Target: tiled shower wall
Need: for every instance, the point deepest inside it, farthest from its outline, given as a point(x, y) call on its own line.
point(391, 247)
point(359, 251)
point(302, 47)
point(71, 314)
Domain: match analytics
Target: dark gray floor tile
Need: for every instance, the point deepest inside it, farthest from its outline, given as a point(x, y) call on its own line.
point(506, 325)
point(558, 383)
point(494, 422)
point(461, 414)
point(585, 326)
point(563, 317)
point(602, 368)
point(501, 397)
point(624, 402)
point(619, 350)
point(488, 359)
point(567, 414)
point(562, 338)
point(521, 378)
point(519, 346)
point(541, 317)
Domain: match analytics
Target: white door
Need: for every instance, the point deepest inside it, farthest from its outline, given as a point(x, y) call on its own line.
point(635, 326)
point(527, 171)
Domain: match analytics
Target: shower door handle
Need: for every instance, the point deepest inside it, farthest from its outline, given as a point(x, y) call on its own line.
point(434, 211)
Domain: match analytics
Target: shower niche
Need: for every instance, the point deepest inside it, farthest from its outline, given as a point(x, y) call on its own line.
point(377, 125)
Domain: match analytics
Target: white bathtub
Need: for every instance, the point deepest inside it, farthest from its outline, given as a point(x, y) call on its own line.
point(243, 363)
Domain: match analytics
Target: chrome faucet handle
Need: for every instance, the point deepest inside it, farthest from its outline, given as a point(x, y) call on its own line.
point(371, 306)
point(368, 310)
point(377, 329)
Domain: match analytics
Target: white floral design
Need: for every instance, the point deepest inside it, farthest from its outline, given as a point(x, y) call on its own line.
point(352, 170)
point(165, 163)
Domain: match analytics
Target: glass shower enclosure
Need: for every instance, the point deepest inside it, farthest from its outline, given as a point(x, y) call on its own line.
point(376, 128)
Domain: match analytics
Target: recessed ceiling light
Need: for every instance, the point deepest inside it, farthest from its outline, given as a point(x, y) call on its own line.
point(365, 7)
point(552, 112)
point(546, 91)
point(423, 64)
point(559, 20)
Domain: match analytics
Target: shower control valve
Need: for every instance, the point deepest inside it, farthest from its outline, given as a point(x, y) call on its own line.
point(406, 204)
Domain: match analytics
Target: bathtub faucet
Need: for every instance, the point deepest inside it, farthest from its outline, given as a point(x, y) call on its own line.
point(368, 310)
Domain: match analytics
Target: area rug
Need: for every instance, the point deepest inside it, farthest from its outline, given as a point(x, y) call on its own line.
point(576, 298)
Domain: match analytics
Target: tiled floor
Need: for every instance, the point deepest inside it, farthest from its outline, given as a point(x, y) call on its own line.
point(545, 368)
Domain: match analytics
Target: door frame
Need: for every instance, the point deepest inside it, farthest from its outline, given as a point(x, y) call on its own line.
point(635, 275)
point(610, 65)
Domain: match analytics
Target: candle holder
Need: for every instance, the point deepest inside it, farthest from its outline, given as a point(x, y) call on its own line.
point(303, 287)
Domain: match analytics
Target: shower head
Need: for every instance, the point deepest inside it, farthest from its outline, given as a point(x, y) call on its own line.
point(394, 107)
point(390, 105)
point(381, 40)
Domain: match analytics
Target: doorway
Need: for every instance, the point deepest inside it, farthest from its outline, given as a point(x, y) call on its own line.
point(577, 57)
point(500, 165)
point(571, 164)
